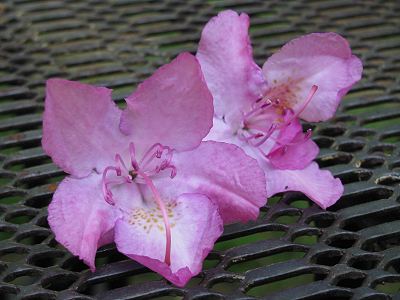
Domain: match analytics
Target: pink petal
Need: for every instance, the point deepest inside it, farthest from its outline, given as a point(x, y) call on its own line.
point(80, 126)
point(296, 156)
point(196, 225)
point(322, 59)
point(319, 185)
point(221, 131)
point(294, 149)
point(172, 107)
point(226, 58)
point(80, 218)
point(225, 174)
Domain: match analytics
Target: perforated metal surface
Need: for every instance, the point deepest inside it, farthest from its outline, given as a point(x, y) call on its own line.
point(351, 251)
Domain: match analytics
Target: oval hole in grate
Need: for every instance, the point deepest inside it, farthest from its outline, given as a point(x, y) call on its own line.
point(44, 296)
point(8, 294)
point(42, 222)
point(388, 286)
point(13, 254)
point(349, 119)
point(386, 149)
point(74, 264)
point(59, 282)
point(332, 131)
point(332, 295)
point(383, 123)
point(382, 243)
point(393, 266)
point(281, 285)
point(351, 146)
point(355, 175)
point(33, 237)
point(23, 278)
point(388, 179)
point(363, 132)
point(393, 138)
point(228, 286)
point(361, 196)
point(6, 179)
point(332, 159)
point(168, 297)
point(323, 141)
point(14, 198)
point(247, 265)
point(194, 281)
point(108, 284)
point(342, 241)
point(321, 220)
point(6, 233)
point(20, 217)
point(210, 263)
point(39, 202)
point(328, 258)
point(365, 262)
point(371, 219)
point(46, 259)
point(108, 256)
point(287, 219)
point(300, 203)
point(306, 239)
point(354, 280)
point(371, 162)
point(248, 239)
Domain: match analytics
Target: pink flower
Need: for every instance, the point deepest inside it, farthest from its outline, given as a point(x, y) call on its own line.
point(142, 177)
point(258, 109)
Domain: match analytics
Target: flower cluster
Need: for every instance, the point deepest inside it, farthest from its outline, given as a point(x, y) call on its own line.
point(202, 143)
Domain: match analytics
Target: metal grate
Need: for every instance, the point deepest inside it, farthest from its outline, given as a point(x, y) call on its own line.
point(295, 250)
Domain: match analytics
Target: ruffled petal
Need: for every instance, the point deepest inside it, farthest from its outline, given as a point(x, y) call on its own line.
point(322, 59)
point(294, 156)
point(319, 185)
point(80, 126)
point(225, 174)
point(80, 218)
point(293, 149)
point(173, 107)
point(196, 225)
point(226, 58)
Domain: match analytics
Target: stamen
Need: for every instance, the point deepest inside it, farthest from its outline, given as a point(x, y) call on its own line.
point(118, 160)
point(313, 90)
point(257, 109)
point(140, 175)
point(132, 152)
point(173, 171)
point(164, 213)
point(158, 153)
point(152, 154)
point(266, 136)
point(308, 134)
point(106, 191)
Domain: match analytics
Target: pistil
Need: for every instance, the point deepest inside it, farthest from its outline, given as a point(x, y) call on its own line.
point(164, 214)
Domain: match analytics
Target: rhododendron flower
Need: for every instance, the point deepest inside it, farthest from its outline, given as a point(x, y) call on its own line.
point(258, 109)
point(142, 177)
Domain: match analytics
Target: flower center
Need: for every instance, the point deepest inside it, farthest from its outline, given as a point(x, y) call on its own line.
point(156, 159)
point(267, 116)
